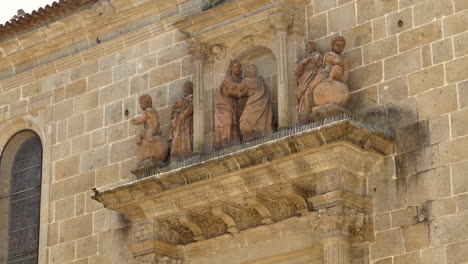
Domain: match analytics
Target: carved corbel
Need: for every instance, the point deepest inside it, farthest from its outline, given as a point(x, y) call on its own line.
point(259, 205)
point(298, 195)
point(219, 210)
point(187, 220)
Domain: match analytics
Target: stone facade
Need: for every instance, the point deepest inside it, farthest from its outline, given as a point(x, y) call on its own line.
point(76, 83)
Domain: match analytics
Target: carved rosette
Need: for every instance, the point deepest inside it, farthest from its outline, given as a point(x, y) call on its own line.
point(339, 220)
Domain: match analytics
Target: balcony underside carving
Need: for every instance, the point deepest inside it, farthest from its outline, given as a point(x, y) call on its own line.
point(321, 171)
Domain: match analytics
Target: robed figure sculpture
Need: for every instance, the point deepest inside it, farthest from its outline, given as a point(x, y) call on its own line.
point(180, 135)
point(257, 118)
point(226, 127)
point(306, 71)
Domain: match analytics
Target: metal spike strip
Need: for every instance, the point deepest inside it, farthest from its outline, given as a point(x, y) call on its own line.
point(214, 154)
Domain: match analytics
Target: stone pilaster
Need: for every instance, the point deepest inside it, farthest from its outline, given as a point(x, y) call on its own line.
point(337, 224)
point(281, 21)
point(200, 53)
point(336, 250)
point(153, 244)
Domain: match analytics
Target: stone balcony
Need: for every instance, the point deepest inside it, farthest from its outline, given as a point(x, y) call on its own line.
point(322, 168)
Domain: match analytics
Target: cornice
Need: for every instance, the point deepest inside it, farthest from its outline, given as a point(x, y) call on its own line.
point(343, 146)
point(87, 34)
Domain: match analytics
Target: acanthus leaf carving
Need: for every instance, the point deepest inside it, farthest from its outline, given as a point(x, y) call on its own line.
point(339, 220)
point(237, 218)
point(210, 225)
point(173, 231)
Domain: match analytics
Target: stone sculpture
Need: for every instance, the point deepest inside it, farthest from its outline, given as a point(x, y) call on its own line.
point(330, 84)
point(256, 119)
point(226, 130)
point(306, 71)
point(181, 131)
point(152, 148)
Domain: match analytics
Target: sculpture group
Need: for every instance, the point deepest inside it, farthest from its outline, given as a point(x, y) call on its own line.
point(322, 80)
point(321, 83)
point(257, 116)
point(153, 149)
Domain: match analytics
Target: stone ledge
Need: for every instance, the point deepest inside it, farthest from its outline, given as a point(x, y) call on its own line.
point(340, 149)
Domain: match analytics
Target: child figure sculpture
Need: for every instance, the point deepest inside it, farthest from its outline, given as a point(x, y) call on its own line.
point(153, 149)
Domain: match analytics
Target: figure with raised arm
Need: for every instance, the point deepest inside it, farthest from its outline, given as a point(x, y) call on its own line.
point(330, 85)
point(306, 71)
point(257, 117)
point(152, 147)
point(226, 128)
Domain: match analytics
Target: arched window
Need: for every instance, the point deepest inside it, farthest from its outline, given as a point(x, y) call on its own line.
point(20, 199)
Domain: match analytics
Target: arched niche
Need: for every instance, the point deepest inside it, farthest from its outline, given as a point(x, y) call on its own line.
point(20, 193)
point(265, 60)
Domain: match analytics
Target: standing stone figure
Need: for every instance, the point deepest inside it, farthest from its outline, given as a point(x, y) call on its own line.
point(153, 149)
point(256, 119)
point(330, 85)
point(306, 71)
point(180, 134)
point(226, 130)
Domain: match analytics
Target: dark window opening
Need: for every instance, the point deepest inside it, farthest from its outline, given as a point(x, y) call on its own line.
point(25, 203)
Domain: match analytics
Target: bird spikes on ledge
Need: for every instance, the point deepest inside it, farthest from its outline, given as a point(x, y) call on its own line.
point(282, 134)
